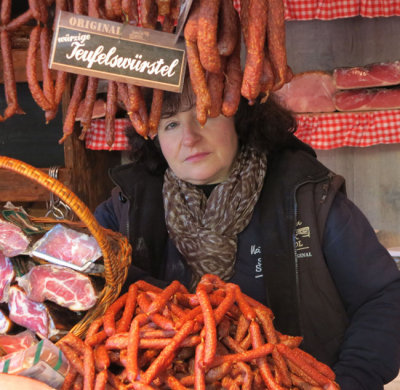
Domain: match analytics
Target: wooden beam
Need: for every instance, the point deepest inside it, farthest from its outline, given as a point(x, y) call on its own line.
point(17, 188)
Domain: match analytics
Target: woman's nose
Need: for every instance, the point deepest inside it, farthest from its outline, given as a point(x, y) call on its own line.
point(191, 134)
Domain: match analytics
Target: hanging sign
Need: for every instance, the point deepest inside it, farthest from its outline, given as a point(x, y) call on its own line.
point(115, 51)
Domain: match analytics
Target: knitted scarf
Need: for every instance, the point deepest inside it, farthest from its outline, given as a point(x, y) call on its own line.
point(205, 230)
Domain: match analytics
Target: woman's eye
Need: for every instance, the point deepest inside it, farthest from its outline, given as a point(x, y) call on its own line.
point(171, 125)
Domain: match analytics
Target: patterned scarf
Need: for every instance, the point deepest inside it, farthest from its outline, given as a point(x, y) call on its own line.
point(205, 230)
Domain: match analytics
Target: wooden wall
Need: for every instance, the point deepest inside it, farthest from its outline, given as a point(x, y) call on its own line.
point(372, 180)
point(372, 174)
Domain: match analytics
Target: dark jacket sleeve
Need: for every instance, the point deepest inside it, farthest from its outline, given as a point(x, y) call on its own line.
point(368, 281)
point(107, 217)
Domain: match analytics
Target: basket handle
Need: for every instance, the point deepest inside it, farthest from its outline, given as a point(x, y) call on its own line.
point(76, 205)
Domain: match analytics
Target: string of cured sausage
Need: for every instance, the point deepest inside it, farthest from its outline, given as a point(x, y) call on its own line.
point(214, 46)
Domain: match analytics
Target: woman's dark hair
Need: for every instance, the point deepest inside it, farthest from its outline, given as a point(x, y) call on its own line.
point(265, 126)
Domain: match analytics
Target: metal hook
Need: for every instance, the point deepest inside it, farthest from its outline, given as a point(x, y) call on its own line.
point(55, 204)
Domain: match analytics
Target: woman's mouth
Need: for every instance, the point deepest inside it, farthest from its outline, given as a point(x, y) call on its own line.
point(196, 157)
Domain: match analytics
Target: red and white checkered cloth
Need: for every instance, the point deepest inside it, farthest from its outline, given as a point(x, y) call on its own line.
point(334, 9)
point(361, 129)
point(95, 138)
point(321, 131)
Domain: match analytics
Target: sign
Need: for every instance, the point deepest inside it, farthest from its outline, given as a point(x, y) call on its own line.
point(121, 52)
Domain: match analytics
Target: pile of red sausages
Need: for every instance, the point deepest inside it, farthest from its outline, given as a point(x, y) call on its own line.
point(212, 35)
point(215, 338)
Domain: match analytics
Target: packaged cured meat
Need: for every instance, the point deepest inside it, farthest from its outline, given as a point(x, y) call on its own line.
point(5, 325)
point(67, 247)
point(29, 314)
point(42, 361)
point(308, 92)
point(17, 342)
point(7, 275)
point(66, 287)
point(372, 75)
point(367, 99)
point(12, 239)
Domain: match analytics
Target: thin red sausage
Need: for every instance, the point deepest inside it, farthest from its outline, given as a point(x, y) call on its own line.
point(199, 83)
point(48, 85)
point(130, 305)
point(77, 94)
point(129, 8)
point(111, 110)
point(90, 99)
point(209, 330)
point(101, 380)
point(61, 81)
point(277, 41)
point(20, 20)
point(5, 12)
point(32, 80)
point(10, 84)
point(233, 82)
point(255, 49)
point(89, 369)
point(155, 112)
point(199, 378)
point(228, 28)
point(207, 35)
point(111, 312)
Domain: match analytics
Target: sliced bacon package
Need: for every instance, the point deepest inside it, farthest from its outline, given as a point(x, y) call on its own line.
point(367, 99)
point(68, 247)
point(308, 92)
point(372, 75)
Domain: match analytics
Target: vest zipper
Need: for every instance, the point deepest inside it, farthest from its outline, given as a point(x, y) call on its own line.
point(296, 261)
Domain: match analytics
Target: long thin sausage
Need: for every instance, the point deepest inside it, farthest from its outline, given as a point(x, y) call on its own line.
point(32, 80)
point(233, 82)
point(90, 99)
point(207, 35)
point(228, 28)
point(111, 110)
point(48, 85)
point(199, 83)
point(60, 84)
point(77, 94)
point(20, 20)
point(276, 41)
point(155, 112)
point(255, 49)
point(130, 10)
point(5, 12)
point(10, 84)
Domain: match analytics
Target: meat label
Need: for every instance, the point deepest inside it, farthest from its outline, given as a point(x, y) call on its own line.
point(116, 51)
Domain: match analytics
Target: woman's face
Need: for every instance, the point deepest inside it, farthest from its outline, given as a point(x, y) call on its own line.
point(198, 155)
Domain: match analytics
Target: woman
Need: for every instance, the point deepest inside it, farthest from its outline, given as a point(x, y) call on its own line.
point(244, 199)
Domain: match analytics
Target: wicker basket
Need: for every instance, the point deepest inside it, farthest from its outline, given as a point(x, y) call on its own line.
point(115, 248)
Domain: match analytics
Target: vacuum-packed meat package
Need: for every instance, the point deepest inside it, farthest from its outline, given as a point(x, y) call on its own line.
point(61, 285)
point(308, 92)
point(29, 314)
point(5, 324)
point(10, 343)
point(13, 241)
point(372, 75)
point(68, 247)
point(7, 275)
point(368, 99)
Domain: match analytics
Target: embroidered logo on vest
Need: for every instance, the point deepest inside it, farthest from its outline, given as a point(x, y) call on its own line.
point(303, 240)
